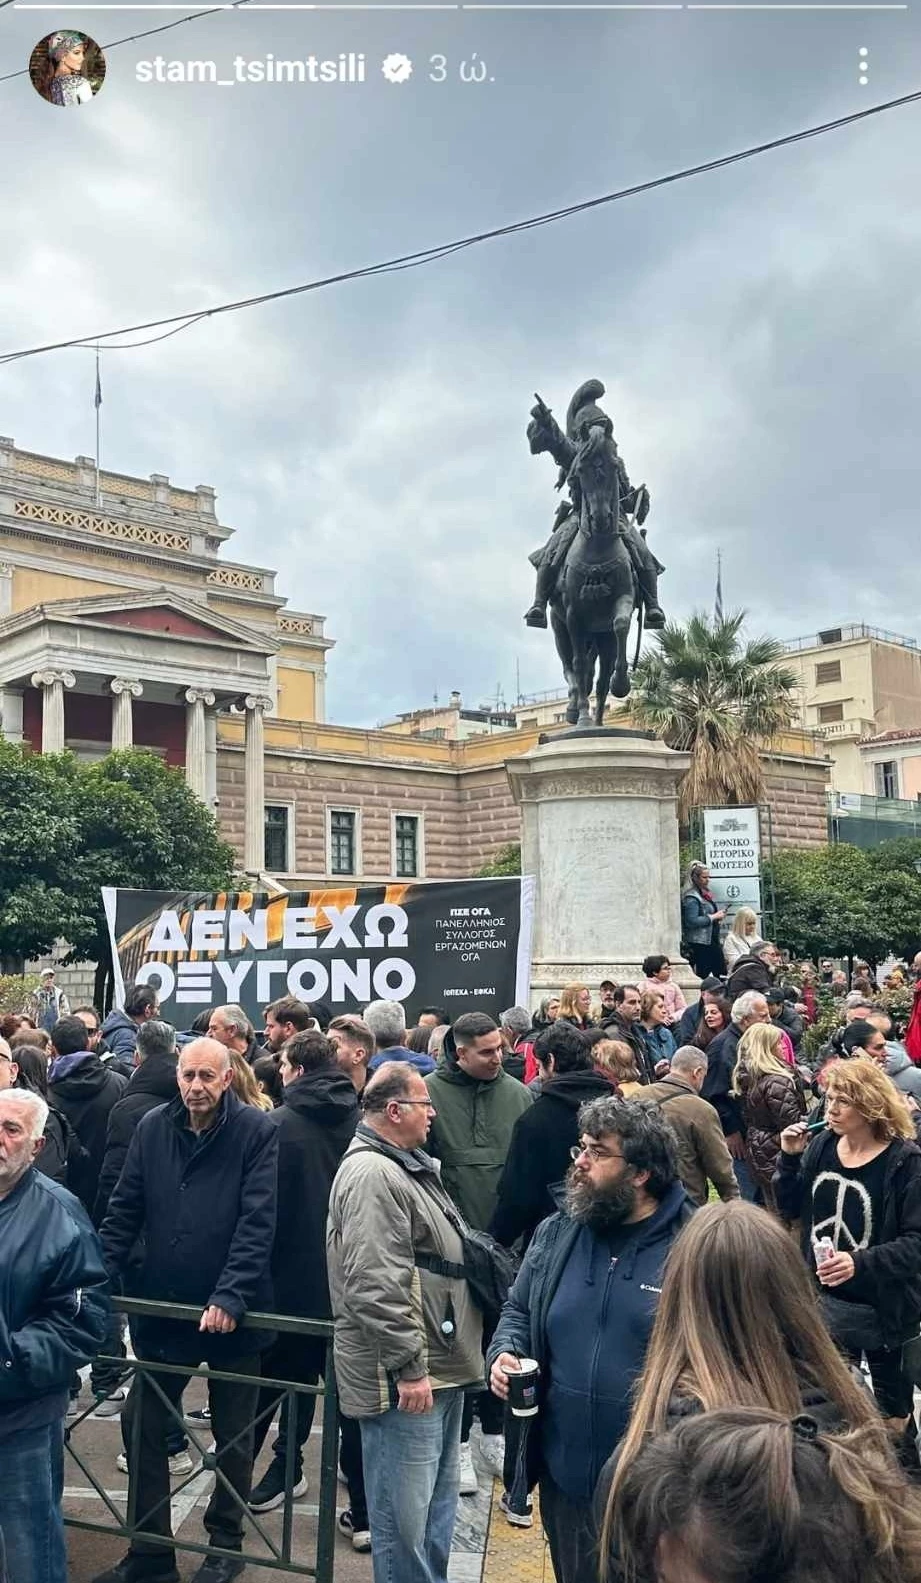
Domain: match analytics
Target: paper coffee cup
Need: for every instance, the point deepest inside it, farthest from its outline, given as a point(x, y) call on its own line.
point(522, 1387)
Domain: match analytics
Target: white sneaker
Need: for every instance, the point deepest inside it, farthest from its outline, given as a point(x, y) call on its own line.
point(179, 1464)
point(468, 1478)
point(517, 1519)
point(121, 1462)
point(491, 1452)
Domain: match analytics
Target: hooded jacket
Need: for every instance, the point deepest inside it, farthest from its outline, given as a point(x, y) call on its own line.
point(905, 1075)
point(86, 1091)
point(749, 973)
point(121, 1035)
point(206, 1206)
point(890, 1271)
point(394, 1320)
point(315, 1124)
point(153, 1084)
point(586, 1386)
point(54, 1307)
point(472, 1131)
point(539, 1153)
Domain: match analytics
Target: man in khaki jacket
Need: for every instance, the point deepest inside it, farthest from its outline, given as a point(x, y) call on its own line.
point(702, 1153)
point(407, 1341)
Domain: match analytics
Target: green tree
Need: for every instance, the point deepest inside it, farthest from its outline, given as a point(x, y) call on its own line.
point(140, 827)
point(843, 901)
point(706, 692)
point(507, 860)
point(67, 829)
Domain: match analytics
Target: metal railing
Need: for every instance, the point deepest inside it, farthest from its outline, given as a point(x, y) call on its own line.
point(280, 1556)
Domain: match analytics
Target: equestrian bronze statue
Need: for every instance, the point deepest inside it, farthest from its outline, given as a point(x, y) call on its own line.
point(596, 567)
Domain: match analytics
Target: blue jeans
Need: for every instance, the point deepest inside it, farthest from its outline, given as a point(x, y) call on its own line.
point(412, 1478)
point(31, 1489)
point(748, 1186)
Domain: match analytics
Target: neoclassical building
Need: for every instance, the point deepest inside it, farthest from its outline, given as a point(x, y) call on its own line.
point(123, 622)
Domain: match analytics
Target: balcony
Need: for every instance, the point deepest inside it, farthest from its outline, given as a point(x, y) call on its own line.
point(845, 730)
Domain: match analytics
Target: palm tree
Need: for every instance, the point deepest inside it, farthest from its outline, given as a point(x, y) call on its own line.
point(706, 693)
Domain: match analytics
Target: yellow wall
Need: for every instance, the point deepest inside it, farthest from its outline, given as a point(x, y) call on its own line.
point(297, 694)
point(38, 588)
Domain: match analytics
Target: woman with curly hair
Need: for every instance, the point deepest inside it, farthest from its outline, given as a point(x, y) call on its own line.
point(856, 1191)
point(771, 1099)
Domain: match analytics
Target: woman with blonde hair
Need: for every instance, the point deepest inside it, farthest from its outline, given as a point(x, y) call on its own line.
point(245, 1085)
point(576, 1005)
point(737, 1325)
point(771, 1099)
point(615, 1060)
point(741, 937)
point(856, 1191)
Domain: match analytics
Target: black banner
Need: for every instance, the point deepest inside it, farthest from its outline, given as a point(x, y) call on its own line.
point(461, 944)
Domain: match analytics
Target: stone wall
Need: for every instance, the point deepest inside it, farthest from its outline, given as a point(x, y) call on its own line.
point(467, 814)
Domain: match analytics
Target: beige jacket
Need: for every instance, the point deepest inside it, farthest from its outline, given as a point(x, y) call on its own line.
point(392, 1320)
point(702, 1153)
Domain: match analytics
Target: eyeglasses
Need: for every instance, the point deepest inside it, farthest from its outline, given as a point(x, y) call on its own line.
point(594, 1153)
point(7, 1058)
point(426, 1102)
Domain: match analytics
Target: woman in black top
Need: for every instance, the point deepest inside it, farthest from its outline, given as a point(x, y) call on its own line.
point(858, 1185)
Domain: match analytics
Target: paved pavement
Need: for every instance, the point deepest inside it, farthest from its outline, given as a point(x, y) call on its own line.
point(485, 1549)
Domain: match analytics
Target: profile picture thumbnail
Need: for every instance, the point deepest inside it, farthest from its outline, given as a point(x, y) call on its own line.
point(67, 68)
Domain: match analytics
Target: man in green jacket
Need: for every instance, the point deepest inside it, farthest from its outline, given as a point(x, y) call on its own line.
point(477, 1105)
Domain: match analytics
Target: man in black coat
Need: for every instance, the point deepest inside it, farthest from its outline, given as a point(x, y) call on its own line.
point(153, 1084)
point(624, 1024)
point(539, 1152)
point(754, 971)
point(85, 1090)
point(315, 1124)
point(200, 1184)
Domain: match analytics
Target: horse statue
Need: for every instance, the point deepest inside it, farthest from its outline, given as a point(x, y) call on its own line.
point(596, 568)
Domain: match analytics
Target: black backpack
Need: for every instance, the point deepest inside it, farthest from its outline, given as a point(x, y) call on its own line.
point(488, 1268)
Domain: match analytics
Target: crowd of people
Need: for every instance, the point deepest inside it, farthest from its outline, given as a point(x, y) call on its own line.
point(699, 1234)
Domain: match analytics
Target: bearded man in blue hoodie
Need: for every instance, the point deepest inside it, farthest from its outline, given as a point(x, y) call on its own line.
point(584, 1305)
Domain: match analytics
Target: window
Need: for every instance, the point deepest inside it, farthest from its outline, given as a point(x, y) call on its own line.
point(277, 824)
point(828, 671)
point(887, 779)
point(829, 713)
point(342, 829)
point(406, 845)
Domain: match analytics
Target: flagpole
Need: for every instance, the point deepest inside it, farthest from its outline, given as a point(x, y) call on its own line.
point(98, 400)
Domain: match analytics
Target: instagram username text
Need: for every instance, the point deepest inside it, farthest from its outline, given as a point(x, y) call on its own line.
point(348, 68)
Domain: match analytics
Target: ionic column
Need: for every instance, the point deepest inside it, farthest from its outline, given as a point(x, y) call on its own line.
point(52, 684)
point(254, 825)
point(123, 689)
point(197, 699)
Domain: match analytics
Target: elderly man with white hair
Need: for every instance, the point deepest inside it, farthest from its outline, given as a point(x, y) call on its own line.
point(54, 1313)
point(231, 1027)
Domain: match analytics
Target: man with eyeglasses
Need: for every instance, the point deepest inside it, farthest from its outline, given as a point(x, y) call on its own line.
point(584, 1305)
point(407, 1335)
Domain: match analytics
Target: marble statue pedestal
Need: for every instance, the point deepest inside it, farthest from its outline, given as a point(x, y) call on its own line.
point(599, 832)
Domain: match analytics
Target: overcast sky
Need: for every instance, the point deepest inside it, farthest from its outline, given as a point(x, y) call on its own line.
point(758, 329)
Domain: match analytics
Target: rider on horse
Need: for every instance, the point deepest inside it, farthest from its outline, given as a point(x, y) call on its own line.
point(544, 434)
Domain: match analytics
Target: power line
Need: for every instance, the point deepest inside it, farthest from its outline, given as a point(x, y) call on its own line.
point(134, 38)
point(184, 321)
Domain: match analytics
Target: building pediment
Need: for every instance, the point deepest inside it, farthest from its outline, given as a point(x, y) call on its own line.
point(157, 612)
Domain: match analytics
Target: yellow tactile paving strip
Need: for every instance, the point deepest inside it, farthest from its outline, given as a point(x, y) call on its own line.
point(515, 1555)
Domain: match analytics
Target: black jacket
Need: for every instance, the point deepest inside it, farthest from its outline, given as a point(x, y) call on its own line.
point(890, 1271)
point(538, 1156)
point(749, 973)
point(315, 1123)
point(54, 1307)
point(722, 1053)
point(153, 1084)
point(62, 1156)
point(86, 1095)
point(206, 1208)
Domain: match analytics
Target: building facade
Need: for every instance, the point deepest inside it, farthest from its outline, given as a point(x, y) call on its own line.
point(855, 682)
point(122, 623)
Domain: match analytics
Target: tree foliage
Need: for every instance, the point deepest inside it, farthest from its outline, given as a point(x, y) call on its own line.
point(706, 692)
point(505, 861)
point(843, 901)
point(67, 829)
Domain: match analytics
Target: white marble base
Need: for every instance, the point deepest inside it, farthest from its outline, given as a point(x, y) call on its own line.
point(600, 835)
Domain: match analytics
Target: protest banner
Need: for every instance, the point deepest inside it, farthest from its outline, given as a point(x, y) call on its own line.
point(461, 944)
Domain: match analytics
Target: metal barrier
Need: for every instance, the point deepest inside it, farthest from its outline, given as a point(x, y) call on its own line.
point(280, 1556)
